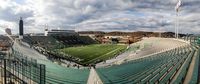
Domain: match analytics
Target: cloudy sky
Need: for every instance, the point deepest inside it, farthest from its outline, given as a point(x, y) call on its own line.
point(104, 15)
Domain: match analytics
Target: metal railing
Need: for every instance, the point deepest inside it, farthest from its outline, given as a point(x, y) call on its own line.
point(18, 69)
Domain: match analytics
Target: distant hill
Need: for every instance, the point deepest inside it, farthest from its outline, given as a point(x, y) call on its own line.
point(136, 34)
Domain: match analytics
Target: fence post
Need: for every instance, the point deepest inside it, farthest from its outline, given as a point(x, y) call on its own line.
point(5, 78)
point(42, 74)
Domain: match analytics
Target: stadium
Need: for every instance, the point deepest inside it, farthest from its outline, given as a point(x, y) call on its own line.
point(62, 56)
point(75, 59)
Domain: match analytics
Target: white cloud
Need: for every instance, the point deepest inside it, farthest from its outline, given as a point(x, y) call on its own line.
point(105, 15)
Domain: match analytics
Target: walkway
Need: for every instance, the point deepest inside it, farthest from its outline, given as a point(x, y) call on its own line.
point(94, 78)
point(190, 70)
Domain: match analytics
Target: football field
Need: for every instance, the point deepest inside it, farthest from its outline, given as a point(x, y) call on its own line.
point(93, 53)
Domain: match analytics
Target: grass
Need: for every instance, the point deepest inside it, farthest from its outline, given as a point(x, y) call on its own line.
point(93, 53)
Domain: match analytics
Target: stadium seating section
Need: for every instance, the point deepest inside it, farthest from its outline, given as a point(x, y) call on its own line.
point(50, 42)
point(175, 66)
point(73, 40)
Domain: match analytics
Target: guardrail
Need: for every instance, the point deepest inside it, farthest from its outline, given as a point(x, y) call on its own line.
point(16, 68)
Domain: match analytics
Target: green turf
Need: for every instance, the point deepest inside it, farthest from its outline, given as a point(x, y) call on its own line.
point(96, 52)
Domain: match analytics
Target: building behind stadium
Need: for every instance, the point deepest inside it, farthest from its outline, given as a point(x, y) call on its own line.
point(58, 32)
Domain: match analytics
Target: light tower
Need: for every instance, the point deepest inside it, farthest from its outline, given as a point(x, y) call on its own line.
point(177, 9)
point(21, 28)
point(46, 30)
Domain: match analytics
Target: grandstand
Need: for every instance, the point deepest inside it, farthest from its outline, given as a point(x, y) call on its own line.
point(55, 42)
point(46, 42)
point(144, 48)
point(55, 73)
point(75, 40)
point(152, 60)
point(178, 65)
point(50, 46)
point(157, 45)
point(158, 60)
